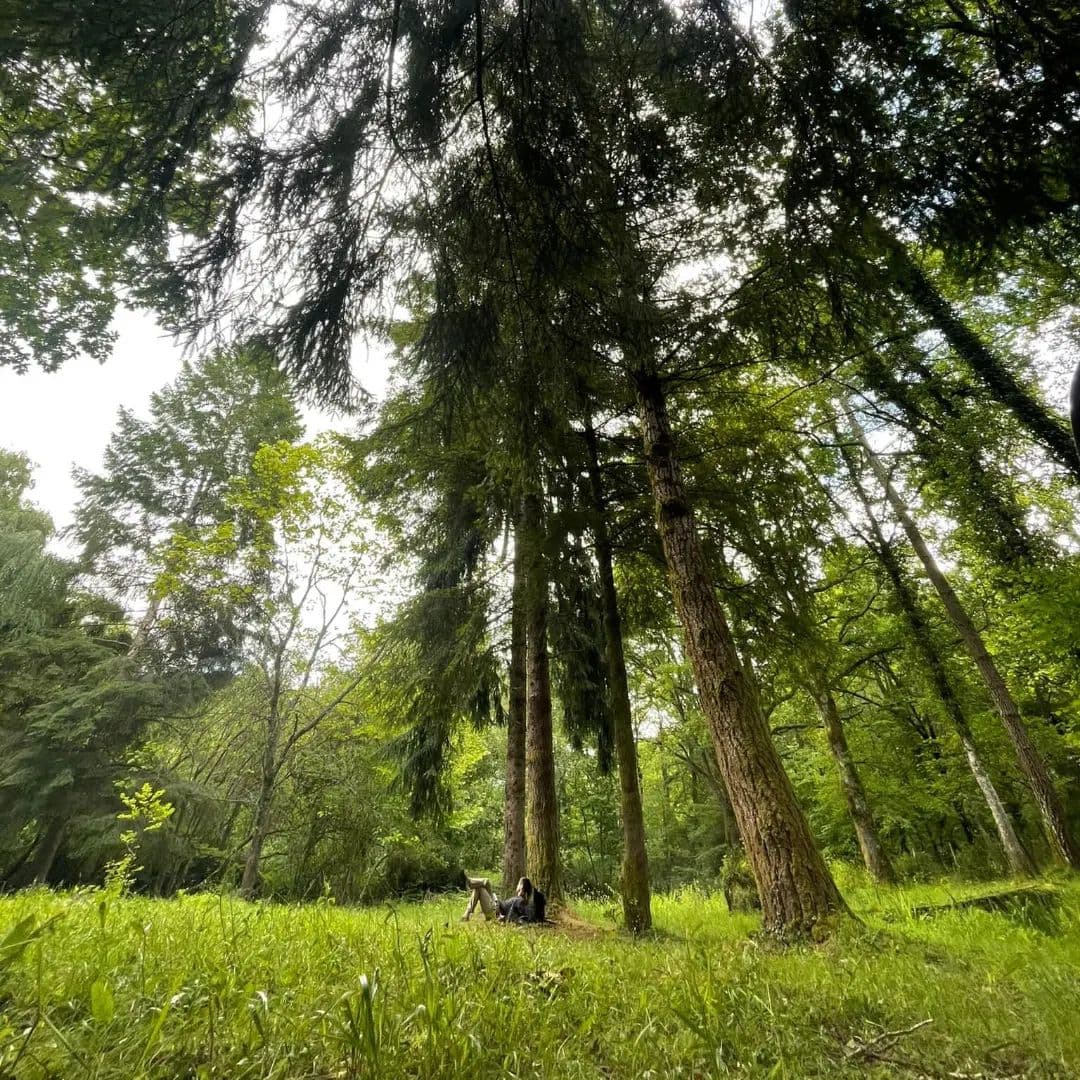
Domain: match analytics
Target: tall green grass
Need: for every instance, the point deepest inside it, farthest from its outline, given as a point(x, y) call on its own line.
point(205, 986)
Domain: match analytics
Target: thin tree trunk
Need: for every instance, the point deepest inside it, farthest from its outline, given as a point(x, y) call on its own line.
point(249, 882)
point(987, 503)
point(1020, 862)
point(514, 860)
point(794, 884)
point(1028, 756)
point(877, 862)
point(635, 862)
point(541, 797)
point(1074, 409)
point(47, 851)
point(986, 365)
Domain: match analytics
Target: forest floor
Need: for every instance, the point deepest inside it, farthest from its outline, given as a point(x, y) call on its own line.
point(203, 986)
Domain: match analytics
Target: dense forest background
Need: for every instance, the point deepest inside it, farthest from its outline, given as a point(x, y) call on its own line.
point(718, 525)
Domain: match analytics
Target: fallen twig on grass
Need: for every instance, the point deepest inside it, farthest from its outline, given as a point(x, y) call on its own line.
point(880, 1044)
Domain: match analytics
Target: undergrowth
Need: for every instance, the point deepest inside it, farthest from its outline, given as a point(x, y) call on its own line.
point(101, 986)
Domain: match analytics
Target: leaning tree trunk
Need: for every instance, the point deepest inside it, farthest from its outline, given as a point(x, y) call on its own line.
point(796, 889)
point(1020, 862)
point(1028, 756)
point(13, 872)
point(985, 364)
point(877, 862)
point(33, 867)
point(514, 792)
point(541, 798)
point(637, 909)
point(50, 848)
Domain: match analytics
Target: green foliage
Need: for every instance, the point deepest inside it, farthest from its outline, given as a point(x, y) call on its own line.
point(842, 206)
point(102, 143)
point(172, 477)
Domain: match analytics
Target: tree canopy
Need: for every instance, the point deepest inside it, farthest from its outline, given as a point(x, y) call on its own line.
point(726, 445)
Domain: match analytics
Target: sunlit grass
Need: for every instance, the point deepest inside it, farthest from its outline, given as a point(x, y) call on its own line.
point(204, 986)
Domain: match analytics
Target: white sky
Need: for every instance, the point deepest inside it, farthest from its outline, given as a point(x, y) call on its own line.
point(64, 418)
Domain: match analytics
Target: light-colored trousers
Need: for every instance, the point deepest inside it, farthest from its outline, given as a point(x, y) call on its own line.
point(481, 894)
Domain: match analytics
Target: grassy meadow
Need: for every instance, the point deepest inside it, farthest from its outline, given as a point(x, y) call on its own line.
point(202, 986)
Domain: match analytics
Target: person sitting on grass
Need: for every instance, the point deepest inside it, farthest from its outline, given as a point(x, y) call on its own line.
point(527, 905)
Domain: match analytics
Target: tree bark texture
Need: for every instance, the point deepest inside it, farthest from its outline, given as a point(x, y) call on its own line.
point(795, 886)
point(514, 859)
point(1031, 762)
point(989, 368)
point(877, 861)
point(637, 910)
point(541, 797)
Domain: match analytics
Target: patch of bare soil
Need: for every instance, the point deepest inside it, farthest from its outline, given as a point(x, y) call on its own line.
point(560, 921)
point(568, 922)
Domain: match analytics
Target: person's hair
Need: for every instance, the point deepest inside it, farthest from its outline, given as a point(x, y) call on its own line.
point(525, 887)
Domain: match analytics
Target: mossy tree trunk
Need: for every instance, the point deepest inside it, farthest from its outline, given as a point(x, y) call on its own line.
point(260, 828)
point(874, 856)
point(637, 910)
point(514, 857)
point(541, 797)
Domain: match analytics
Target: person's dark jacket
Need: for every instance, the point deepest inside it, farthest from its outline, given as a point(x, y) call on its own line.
point(518, 909)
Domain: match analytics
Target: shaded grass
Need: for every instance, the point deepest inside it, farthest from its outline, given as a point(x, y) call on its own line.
point(206, 986)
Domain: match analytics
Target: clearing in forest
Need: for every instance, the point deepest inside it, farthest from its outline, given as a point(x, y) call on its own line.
point(205, 986)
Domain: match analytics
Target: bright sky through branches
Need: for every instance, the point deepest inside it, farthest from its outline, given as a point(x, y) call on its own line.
point(63, 419)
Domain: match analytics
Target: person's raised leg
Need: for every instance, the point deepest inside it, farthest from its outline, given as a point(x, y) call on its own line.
point(480, 894)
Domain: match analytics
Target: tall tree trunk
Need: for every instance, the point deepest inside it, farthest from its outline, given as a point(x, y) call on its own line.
point(1074, 409)
point(249, 882)
point(48, 848)
point(637, 909)
point(1028, 756)
point(541, 797)
point(1020, 862)
point(514, 860)
point(877, 862)
point(986, 365)
point(794, 884)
